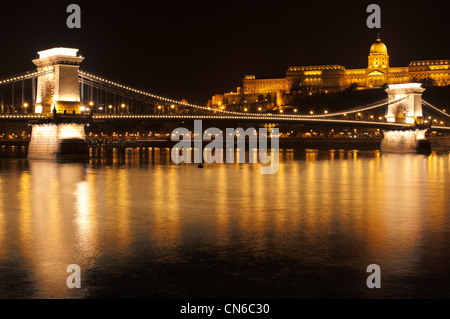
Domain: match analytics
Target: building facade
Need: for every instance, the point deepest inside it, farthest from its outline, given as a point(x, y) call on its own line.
point(335, 78)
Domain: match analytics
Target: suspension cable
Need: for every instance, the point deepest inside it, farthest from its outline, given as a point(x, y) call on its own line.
point(92, 77)
point(434, 108)
point(24, 76)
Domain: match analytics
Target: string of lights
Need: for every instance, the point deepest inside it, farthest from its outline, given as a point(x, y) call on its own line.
point(25, 76)
point(91, 77)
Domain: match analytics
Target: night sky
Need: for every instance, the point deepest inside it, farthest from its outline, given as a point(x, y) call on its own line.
point(193, 49)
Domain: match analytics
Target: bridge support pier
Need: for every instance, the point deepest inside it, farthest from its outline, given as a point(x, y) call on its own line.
point(58, 141)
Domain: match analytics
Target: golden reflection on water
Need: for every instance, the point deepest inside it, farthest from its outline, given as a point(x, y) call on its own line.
point(385, 205)
point(43, 225)
point(86, 218)
point(3, 246)
point(122, 200)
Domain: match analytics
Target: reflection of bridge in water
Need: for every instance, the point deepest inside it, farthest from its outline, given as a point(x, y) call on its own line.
point(59, 90)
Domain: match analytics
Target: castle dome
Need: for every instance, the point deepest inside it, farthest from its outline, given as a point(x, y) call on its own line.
point(378, 47)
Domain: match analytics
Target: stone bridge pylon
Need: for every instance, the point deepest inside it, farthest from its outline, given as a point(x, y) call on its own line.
point(408, 110)
point(59, 88)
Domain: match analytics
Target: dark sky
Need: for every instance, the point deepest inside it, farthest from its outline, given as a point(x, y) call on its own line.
point(193, 49)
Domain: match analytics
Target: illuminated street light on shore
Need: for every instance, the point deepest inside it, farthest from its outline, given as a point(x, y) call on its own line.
point(245, 109)
point(159, 107)
point(311, 112)
point(82, 108)
point(259, 108)
point(91, 103)
point(122, 105)
point(326, 112)
point(25, 104)
point(295, 110)
point(110, 106)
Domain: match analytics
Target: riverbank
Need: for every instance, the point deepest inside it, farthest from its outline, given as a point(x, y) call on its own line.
point(9, 146)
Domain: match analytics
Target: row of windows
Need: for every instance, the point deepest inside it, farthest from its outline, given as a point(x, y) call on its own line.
point(313, 79)
point(315, 67)
point(433, 75)
point(264, 87)
point(429, 62)
point(359, 80)
point(265, 82)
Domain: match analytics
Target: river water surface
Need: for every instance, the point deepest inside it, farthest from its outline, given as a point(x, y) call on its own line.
point(141, 226)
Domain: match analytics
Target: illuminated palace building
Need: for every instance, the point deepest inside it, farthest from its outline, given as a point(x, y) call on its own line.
point(333, 78)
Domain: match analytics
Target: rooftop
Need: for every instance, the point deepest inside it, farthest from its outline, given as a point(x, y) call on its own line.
point(58, 51)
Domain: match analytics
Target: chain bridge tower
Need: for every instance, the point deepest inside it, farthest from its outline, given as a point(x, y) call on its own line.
point(58, 87)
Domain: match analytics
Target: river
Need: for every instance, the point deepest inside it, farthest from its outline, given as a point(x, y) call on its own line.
point(140, 226)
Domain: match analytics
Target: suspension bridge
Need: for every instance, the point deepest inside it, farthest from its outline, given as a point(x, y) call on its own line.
point(58, 88)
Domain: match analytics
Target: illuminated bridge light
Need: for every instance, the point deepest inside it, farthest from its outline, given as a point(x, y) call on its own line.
point(254, 115)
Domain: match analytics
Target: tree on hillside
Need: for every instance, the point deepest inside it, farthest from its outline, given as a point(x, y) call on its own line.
point(428, 82)
point(352, 87)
